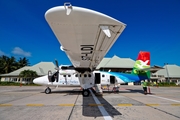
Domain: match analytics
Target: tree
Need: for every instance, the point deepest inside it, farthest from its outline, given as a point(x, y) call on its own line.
point(7, 64)
point(23, 62)
point(28, 74)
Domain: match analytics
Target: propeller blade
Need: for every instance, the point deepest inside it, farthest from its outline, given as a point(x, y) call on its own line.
point(57, 76)
point(57, 73)
point(57, 65)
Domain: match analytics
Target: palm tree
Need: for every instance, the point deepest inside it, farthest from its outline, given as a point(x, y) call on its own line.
point(28, 74)
point(7, 64)
point(23, 62)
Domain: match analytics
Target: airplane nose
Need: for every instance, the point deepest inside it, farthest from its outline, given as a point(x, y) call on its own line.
point(37, 81)
point(41, 80)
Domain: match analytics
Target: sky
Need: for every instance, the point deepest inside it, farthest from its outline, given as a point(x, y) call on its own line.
point(152, 25)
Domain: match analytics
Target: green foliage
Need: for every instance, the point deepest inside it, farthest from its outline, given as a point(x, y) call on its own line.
point(9, 84)
point(28, 73)
point(167, 84)
point(16, 84)
point(9, 64)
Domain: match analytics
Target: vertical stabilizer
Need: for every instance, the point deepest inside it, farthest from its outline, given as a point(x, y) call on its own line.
point(142, 64)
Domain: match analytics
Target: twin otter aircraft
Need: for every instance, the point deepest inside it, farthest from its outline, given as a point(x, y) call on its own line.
point(86, 36)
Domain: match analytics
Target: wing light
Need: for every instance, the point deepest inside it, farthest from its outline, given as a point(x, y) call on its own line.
point(63, 49)
point(106, 30)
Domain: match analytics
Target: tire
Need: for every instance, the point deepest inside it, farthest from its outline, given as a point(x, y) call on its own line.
point(47, 90)
point(85, 93)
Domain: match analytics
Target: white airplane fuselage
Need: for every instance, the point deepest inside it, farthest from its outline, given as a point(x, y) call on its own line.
point(85, 80)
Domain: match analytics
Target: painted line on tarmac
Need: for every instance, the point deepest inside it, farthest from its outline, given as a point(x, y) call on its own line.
point(5, 105)
point(101, 108)
point(152, 104)
point(175, 104)
point(125, 104)
point(36, 105)
point(66, 104)
point(165, 98)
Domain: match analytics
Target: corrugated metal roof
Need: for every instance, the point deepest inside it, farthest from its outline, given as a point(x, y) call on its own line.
point(172, 70)
point(41, 68)
point(116, 62)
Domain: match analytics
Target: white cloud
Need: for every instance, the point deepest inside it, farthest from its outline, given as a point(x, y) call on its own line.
point(19, 51)
point(2, 53)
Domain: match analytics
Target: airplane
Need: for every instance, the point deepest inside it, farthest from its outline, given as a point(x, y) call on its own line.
point(86, 36)
point(68, 76)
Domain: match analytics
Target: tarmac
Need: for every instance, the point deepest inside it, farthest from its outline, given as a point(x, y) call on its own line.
point(67, 103)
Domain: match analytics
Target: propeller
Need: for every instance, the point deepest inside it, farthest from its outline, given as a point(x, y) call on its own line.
point(57, 73)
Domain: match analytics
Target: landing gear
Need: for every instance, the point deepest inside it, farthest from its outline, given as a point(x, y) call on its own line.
point(47, 90)
point(85, 92)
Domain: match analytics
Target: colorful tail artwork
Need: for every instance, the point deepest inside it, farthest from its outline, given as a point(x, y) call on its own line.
point(142, 62)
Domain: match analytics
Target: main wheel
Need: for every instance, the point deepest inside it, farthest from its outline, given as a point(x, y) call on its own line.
point(47, 90)
point(85, 92)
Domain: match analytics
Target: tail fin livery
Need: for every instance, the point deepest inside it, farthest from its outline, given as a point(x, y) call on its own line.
point(142, 64)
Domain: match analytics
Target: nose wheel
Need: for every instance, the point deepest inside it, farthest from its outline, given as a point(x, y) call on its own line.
point(85, 92)
point(47, 90)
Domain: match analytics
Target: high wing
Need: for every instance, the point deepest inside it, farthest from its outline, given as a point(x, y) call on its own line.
point(85, 35)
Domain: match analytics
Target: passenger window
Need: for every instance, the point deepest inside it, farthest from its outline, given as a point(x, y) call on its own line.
point(103, 75)
point(69, 75)
point(79, 75)
point(76, 75)
point(89, 75)
point(64, 75)
point(85, 75)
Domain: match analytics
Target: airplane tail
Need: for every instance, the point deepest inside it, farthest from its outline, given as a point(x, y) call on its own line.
point(142, 65)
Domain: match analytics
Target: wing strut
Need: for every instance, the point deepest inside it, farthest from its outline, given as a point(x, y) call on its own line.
point(106, 30)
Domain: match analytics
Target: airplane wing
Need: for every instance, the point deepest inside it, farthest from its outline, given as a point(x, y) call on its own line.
point(85, 35)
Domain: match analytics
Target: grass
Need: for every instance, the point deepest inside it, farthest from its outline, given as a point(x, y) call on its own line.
point(164, 84)
point(16, 84)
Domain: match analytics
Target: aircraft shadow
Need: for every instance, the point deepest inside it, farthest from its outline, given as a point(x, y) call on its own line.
point(68, 92)
point(90, 108)
point(127, 91)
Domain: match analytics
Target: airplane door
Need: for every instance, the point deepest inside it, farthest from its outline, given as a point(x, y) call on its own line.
point(97, 78)
point(112, 79)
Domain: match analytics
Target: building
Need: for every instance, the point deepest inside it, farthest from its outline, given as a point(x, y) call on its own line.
point(116, 64)
point(168, 73)
point(41, 69)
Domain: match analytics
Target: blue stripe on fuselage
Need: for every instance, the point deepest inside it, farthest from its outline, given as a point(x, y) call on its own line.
point(128, 77)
